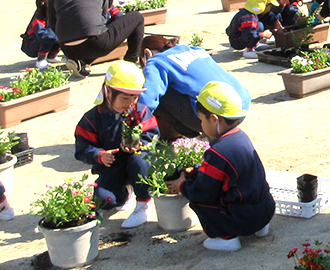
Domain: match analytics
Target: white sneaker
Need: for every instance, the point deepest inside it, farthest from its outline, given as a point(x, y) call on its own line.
point(128, 205)
point(270, 40)
point(140, 215)
point(6, 212)
point(56, 59)
point(263, 232)
point(261, 47)
point(250, 54)
point(222, 244)
point(42, 64)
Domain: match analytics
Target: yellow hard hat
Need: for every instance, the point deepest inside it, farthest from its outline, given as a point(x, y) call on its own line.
point(259, 6)
point(221, 99)
point(125, 77)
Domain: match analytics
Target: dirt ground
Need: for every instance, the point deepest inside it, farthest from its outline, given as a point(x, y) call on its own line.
point(290, 135)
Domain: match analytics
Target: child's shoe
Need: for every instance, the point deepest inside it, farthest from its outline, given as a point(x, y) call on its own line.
point(78, 68)
point(270, 40)
point(128, 205)
point(221, 244)
point(261, 46)
point(250, 53)
point(55, 59)
point(263, 232)
point(6, 212)
point(140, 215)
point(42, 64)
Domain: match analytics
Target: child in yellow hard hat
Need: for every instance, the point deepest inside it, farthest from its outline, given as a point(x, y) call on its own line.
point(251, 24)
point(229, 191)
point(99, 141)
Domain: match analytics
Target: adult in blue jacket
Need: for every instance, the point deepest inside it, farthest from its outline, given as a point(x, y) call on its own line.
point(174, 76)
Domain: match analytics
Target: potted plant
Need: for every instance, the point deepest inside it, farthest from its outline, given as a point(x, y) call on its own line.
point(197, 41)
point(173, 211)
point(132, 129)
point(301, 34)
point(7, 161)
point(308, 73)
point(153, 11)
point(313, 258)
point(71, 222)
point(27, 97)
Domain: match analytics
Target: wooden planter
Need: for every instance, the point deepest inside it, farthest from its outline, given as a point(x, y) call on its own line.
point(52, 100)
point(285, 39)
point(299, 85)
point(232, 5)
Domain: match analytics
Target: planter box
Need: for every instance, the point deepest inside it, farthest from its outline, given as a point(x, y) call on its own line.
point(285, 39)
point(232, 5)
point(299, 85)
point(154, 16)
point(120, 51)
point(52, 100)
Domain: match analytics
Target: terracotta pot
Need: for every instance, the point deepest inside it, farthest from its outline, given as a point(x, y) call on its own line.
point(232, 5)
point(154, 16)
point(52, 100)
point(285, 39)
point(298, 85)
point(72, 247)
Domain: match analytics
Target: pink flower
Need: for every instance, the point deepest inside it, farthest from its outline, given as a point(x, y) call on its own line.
point(87, 199)
point(292, 252)
point(92, 185)
point(16, 90)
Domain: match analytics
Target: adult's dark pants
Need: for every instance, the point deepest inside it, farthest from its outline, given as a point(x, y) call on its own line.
point(130, 27)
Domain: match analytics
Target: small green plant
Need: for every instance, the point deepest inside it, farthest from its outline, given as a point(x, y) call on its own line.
point(310, 61)
point(312, 259)
point(67, 205)
point(128, 5)
point(196, 40)
point(166, 159)
point(32, 81)
point(7, 142)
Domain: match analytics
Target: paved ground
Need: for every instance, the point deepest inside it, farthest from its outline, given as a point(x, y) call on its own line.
point(290, 135)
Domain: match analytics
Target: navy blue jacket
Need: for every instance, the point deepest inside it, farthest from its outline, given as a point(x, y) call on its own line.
point(230, 193)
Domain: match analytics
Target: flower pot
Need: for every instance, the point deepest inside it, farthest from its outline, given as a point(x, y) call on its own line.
point(7, 173)
point(72, 247)
point(23, 143)
point(52, 100)
point(130, 143)
point(154, 16)
point(307, 187)
point(285, 39)
point(174, 213)
point(232, 5)
point(297, 85)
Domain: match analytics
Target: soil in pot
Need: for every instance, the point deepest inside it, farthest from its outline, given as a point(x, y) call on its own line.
point(74, 223)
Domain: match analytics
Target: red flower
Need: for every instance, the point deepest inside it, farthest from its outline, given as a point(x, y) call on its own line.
point(316, 60)
point(87, 199)
point(292, 252)
point(2, 97)
point(92, 206)
point(133, 119)
point(16, 90)
point(92, 185)
point(306, 244)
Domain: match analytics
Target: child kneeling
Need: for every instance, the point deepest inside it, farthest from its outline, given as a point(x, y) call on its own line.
point(229, 192)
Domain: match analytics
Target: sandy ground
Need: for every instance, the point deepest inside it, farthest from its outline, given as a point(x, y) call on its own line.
point(290, 135)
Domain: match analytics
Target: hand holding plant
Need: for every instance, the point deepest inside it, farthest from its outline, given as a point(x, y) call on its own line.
point(132, 129)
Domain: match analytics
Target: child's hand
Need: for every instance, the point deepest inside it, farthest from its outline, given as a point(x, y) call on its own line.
point(267, 34)
point(174, 185)
point(108, 157)
point(130, 150)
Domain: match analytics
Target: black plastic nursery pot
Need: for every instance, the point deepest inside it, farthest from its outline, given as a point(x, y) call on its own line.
point(307, 187)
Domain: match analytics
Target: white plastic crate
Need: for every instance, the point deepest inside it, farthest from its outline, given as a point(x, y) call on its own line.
point(283, 187)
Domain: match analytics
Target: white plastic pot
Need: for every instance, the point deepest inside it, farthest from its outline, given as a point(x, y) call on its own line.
point(72, 247)
point(174, 213)
point(7, 173)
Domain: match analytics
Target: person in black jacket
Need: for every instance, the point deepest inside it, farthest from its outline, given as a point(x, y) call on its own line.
point(85, 32)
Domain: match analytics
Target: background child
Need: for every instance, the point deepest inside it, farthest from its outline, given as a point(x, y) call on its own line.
point(324, 12)
point(39, 40)
point(246, 29)
point(229, 194)
point(99, 136)
point(6, 211)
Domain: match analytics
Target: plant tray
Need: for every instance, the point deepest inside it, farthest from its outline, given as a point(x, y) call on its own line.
point(24, 157)
point(283, 187)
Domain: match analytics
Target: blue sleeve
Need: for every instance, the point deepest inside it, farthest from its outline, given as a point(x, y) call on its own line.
point(87, 145)
point(156, 82)
point(44, 34)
